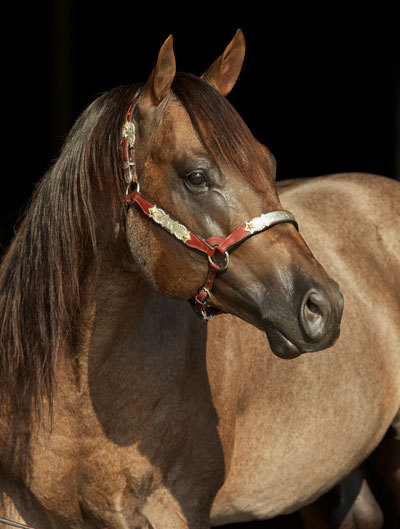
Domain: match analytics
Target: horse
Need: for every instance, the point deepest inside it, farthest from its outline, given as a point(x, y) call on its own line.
point(123, 405)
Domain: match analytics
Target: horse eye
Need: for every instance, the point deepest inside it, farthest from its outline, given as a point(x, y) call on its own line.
point(197, 178)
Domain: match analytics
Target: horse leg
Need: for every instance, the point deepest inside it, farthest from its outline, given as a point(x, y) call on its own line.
point(349, 505)
point(18, 505)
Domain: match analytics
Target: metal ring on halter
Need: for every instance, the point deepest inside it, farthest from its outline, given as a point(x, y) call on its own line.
point(219, 267)
point(129, 190)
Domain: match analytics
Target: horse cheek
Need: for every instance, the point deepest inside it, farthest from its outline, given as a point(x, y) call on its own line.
point(164, 263)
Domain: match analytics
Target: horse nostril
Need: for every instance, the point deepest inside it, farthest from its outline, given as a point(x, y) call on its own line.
point(314, 314)
point(313, 309)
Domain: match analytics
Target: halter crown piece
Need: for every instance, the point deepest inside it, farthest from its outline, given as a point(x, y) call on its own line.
point(217, 249)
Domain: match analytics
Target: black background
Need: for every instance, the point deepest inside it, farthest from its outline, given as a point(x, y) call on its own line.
point(320, 85)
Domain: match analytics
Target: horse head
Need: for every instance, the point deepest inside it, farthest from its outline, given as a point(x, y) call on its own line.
point(201, 170)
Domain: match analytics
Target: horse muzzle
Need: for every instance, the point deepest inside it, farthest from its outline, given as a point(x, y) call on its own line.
point(315, 327)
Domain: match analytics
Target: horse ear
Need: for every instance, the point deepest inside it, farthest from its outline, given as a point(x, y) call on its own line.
point(223, 73)
point(161, 78)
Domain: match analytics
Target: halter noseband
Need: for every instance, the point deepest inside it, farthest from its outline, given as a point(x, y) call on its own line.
point(217, 249)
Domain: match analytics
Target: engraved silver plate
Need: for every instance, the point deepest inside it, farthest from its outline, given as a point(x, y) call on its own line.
point(128, 131)
point(173, 226)
point(268, 219)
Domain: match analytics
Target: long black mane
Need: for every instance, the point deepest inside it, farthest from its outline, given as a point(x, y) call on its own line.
point(42, 271)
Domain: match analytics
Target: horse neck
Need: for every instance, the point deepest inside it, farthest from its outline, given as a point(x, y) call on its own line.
point(133, 341)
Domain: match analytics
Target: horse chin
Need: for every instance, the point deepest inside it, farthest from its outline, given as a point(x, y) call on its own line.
point(281, 345)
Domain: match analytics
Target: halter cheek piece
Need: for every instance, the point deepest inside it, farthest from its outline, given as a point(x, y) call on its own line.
point(217, 249)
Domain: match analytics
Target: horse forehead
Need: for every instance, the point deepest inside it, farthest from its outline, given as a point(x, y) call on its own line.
point(176, 129)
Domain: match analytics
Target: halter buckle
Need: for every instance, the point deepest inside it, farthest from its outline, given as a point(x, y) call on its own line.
point(204, 302)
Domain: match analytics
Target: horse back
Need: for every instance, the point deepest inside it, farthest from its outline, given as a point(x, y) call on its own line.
point(352, 222)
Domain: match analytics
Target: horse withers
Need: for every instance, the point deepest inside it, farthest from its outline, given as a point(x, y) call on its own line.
point(122, 407)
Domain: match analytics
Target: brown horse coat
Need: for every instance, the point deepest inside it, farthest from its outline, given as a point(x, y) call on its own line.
point(303, 425)
point(158, 418)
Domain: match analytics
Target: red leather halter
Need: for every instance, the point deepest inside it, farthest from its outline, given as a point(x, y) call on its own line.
point(217, 249)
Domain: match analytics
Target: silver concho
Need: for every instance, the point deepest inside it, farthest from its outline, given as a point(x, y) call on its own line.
point(268, 219)
point(128, 131)
point(173, 226)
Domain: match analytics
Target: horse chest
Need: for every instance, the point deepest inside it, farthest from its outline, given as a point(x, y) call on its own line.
point(151, 477)
point(150, 446)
